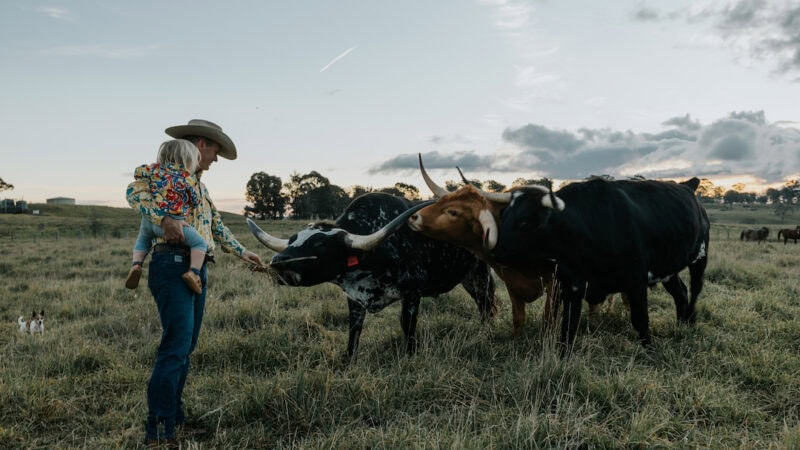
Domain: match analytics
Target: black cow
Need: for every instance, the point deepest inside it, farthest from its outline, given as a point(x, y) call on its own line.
point(378, 261)
point(760, 234)
point(610, 236)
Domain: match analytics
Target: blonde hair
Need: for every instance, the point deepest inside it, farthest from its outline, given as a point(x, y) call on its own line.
point(179, 151)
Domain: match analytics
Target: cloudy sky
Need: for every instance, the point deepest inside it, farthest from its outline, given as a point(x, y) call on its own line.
point(355, 89)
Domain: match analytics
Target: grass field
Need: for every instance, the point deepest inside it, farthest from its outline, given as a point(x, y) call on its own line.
point(267, 372)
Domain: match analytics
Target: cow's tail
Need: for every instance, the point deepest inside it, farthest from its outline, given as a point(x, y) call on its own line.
point(779, 234)
point(742, 236)
point(697, 271)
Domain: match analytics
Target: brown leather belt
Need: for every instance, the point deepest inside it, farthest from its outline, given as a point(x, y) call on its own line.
point(179, 250)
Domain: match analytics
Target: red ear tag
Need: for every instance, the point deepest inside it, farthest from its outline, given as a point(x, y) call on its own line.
point(352, 261)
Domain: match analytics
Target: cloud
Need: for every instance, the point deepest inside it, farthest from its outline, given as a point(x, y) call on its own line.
point(55, 13)
point(466, 160)
point(756, 31)
point(547, 140)
point(103, 51)
point(436, 139)
point(741, 143)
point(645, 14)
point(684, 122)
point(788, 124)
point(513, 16)
point(516, 22)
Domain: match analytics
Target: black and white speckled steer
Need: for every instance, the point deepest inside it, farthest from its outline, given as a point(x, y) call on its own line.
point(376, 260)
point(609, 236)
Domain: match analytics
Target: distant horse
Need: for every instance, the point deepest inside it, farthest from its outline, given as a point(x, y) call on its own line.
point(759, 235)
point(789, 233)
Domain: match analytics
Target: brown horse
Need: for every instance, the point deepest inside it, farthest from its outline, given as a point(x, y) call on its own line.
point(758, 235)
point(789, 233)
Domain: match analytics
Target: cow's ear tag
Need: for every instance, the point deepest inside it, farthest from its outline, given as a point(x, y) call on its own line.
point(352, 261)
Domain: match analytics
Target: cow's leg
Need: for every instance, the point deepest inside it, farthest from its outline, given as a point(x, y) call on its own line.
point(572, 296)
point(357, 313)
point(480, 285)
point(677, 289)
point(555, 299)
point(518, 299)
point(607, 300)
point(408, 321)
point(697, 271)
point(517, 313)
point(550, 303)
point(640, 318)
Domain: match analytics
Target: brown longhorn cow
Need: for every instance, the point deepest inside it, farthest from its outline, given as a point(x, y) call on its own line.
point(459, 218)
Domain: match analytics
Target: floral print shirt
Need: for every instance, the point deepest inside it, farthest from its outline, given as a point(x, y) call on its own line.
point(172, 188)
point(204, 218)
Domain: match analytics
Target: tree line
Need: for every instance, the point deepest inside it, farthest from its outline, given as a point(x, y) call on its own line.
point(715, 194)
point(311, 196)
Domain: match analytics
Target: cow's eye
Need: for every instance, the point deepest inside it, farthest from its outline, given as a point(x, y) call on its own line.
point(452, 213)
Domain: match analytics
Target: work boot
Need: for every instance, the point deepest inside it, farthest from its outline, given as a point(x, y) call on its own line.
point(160, 433)
point(161, 443)
point(193, 281)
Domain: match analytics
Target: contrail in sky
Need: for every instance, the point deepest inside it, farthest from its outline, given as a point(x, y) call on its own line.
point(334, 60)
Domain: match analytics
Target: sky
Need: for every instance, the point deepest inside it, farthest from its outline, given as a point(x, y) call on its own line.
point(356, 89)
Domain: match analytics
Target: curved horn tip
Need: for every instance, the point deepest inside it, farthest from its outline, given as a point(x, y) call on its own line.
point(368, 242)
point(463, 178)
point(548, 202)
point(437, 190)
point(251, 224)
point(269, 241)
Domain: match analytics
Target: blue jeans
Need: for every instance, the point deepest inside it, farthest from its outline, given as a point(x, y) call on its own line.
point(181, 314)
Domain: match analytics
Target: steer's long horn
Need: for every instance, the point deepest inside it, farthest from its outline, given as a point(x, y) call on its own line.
point(552, 201)
point(499, 197)
point(270, 242)
point(368, 242)
point(463, 178)
point(437, 190)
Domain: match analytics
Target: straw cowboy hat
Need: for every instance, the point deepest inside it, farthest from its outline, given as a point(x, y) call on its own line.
point(206, 129)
